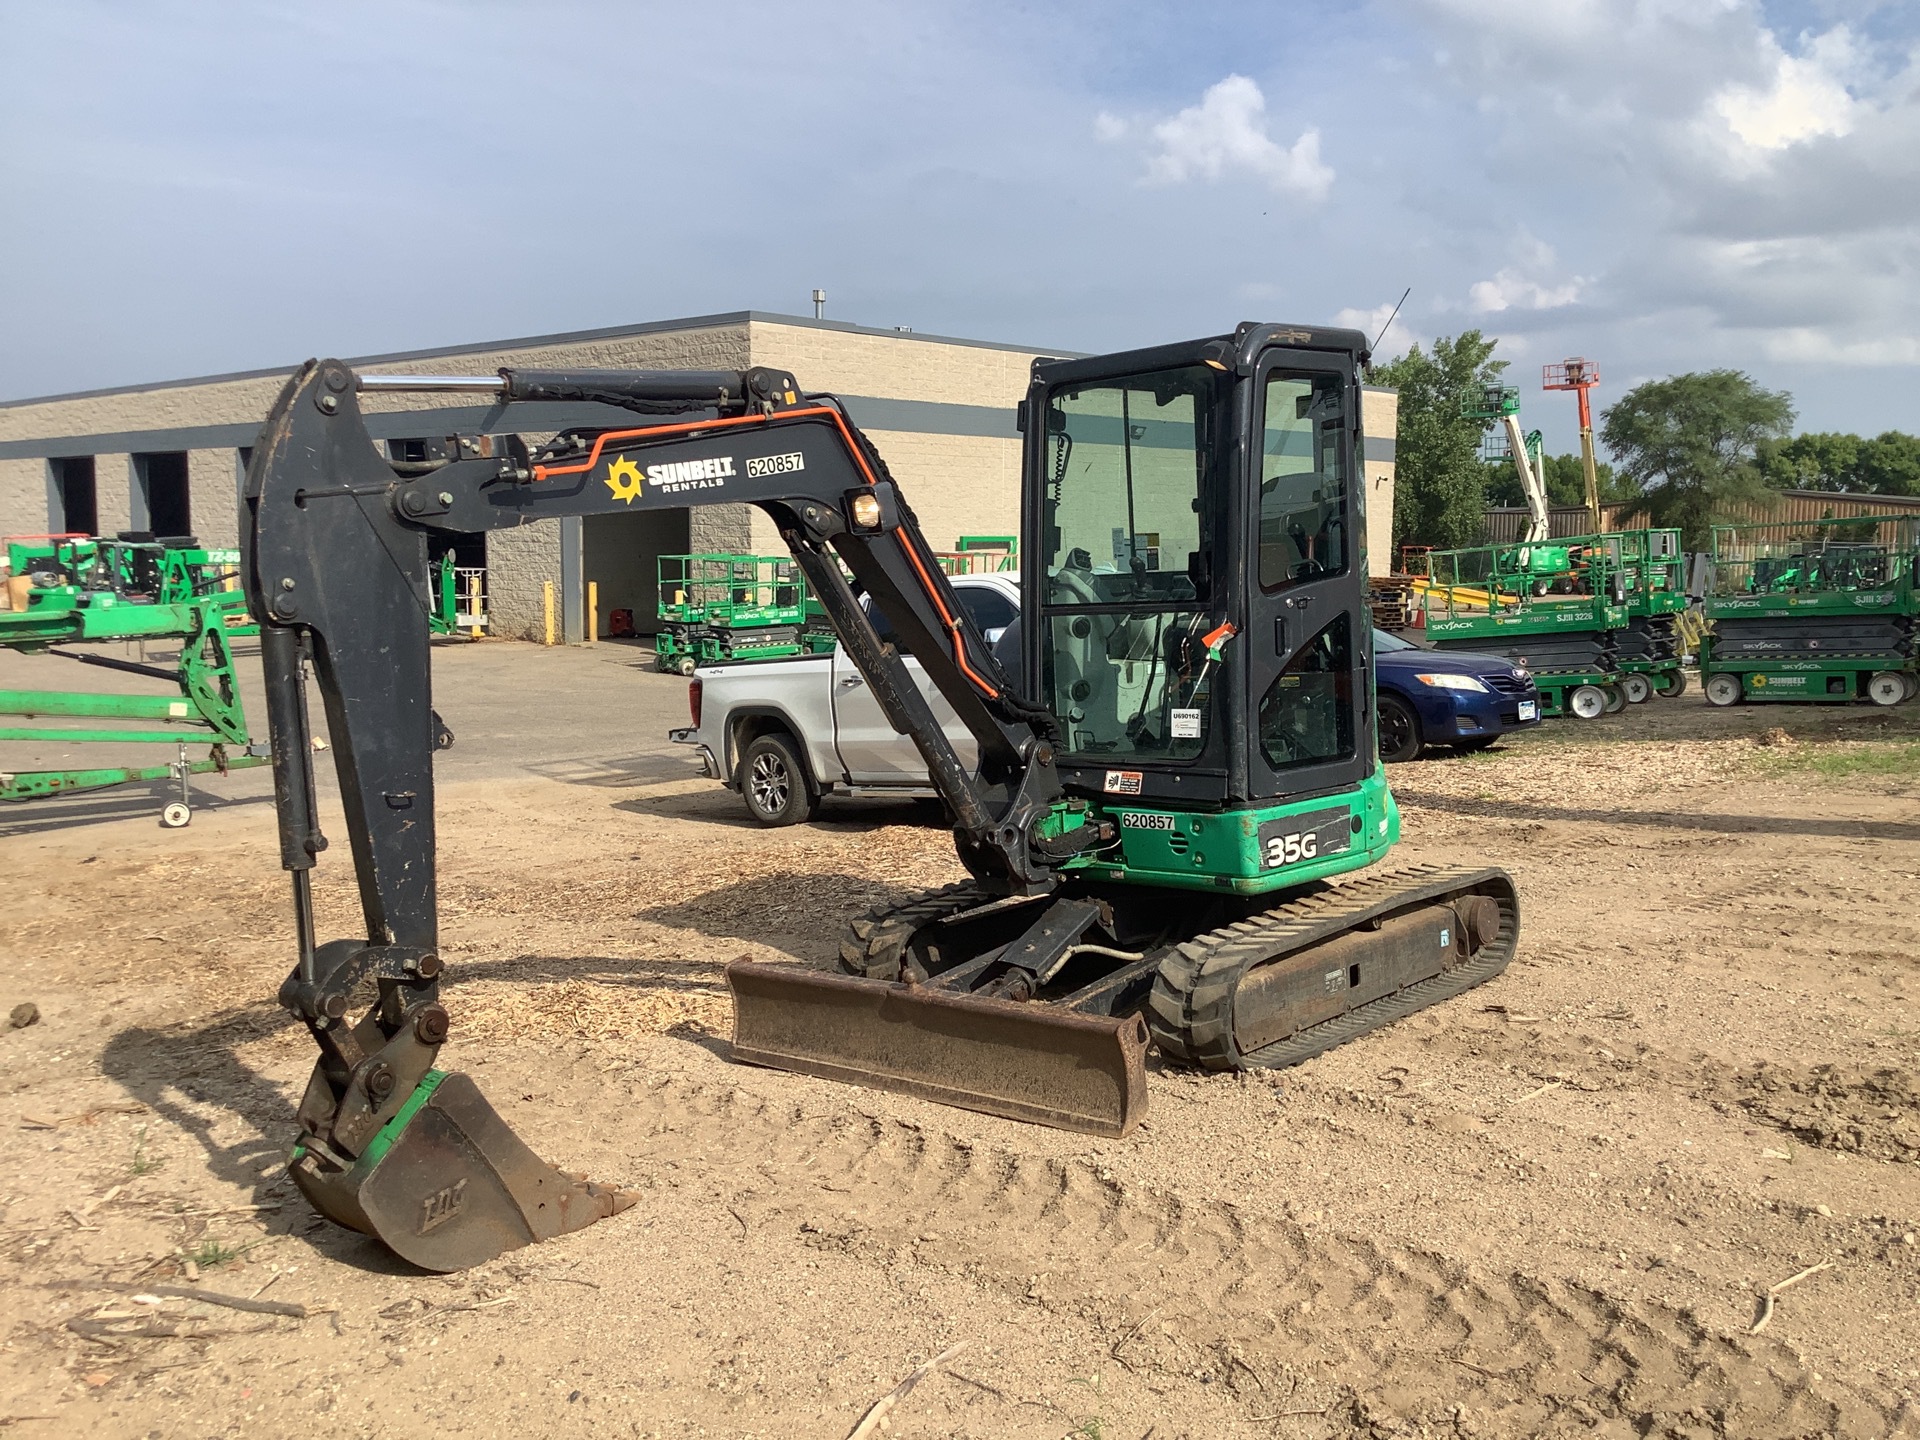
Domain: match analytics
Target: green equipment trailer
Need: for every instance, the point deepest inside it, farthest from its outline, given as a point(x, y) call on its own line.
point(83, 591)
point(1552, 608)
point(1813, 611)
point(716, 608)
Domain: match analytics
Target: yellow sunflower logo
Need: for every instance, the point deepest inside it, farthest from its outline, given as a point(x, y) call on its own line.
point(623, 479)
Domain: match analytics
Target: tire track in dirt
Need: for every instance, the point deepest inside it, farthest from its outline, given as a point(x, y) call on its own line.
point(1401, 1327)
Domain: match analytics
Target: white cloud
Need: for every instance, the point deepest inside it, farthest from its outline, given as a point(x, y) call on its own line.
point(1806, 96)
point(1226, 133)
point(1398, 338)
point(1511, 290)
point(1523, 286)
point(1109, 127)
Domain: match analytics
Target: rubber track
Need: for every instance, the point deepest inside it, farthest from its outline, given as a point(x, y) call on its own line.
point(876, 940)
point(1191, 1009)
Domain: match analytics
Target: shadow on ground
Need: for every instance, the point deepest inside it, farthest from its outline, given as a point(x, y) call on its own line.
point(122, 802)
point(1720, 824)
point(784, 902)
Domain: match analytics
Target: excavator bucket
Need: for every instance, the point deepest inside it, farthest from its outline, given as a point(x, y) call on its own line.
point(1032, 1062)
point(447, 1185)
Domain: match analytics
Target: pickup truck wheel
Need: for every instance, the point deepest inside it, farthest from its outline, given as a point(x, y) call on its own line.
point(774, 783)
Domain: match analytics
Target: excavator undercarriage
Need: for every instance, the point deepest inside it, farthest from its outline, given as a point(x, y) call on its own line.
point(1174, 792)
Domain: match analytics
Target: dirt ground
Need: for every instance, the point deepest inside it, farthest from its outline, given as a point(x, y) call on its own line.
point(1549, 1207)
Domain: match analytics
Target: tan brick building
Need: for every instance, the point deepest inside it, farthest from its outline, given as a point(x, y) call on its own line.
point(169, 457)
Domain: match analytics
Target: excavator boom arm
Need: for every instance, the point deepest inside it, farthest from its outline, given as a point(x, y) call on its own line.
point(336, 569)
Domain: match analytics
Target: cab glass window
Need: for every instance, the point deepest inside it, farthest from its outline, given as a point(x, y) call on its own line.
point(1126, 459)
point(1306, 716)
point(1305, 504)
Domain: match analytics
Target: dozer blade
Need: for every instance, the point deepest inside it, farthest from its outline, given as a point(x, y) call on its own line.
point(1031, 1062)
point(447, 1185)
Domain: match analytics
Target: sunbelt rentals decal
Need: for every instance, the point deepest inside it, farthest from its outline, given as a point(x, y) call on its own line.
point(673, 477)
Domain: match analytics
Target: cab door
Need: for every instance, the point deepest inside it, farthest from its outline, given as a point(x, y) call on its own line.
point(1310, 638)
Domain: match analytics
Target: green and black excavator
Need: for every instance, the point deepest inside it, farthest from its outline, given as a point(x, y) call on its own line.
point(1173, 791)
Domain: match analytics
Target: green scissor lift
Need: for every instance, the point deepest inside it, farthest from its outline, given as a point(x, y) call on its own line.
point(1553, 608)
point(716, 608)
point(1652, 570)
point(90, 592)
point(1814, 610)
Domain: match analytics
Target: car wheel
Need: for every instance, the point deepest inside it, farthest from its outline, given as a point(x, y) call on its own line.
point(1399, 730)
point(1637, 688)
point(1724, 689)
point(1588, 702)
point(774, 783)
point(1887, 688)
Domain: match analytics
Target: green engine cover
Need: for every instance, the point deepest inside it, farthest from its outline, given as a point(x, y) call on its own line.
point(1249, 851)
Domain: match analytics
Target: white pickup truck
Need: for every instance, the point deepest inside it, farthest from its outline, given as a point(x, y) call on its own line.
point(786, 734)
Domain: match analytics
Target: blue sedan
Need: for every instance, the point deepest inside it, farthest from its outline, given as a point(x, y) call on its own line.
point(1447, 697)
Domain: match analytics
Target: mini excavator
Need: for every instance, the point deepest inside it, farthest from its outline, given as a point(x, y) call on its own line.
point(1172, 795)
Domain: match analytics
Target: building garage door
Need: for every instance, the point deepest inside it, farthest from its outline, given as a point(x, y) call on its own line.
point(622, 554)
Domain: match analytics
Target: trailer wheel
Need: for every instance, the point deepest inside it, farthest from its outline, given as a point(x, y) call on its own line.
point(1672, 685)
point(773, 782)
point(1589, 702)
point(1637, 688)
point(175, 816)
point(1887, 688)
point(1724, 689)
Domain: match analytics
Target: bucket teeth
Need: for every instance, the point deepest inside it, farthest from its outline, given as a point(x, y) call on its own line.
point(447, 1185)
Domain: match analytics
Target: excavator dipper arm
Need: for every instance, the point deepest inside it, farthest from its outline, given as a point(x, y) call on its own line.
point(336, 570)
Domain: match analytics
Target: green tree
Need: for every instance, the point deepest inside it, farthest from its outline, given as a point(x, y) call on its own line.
point(1439, 481)
point(1815, 461)
point(1888, 464)
point(1692, 443)
point(1566, 482)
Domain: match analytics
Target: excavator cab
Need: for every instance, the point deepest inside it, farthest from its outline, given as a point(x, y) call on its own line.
point(1174, 781)
point(1202, 631)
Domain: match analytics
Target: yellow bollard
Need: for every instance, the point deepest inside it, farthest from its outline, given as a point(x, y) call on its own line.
point(593, 611)
point(549, 600)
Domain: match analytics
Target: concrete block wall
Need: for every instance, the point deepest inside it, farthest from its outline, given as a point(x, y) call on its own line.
point(113, 484)
point(519, 563)
point(1379, 422)
point(213, 488)
point(957, 484)
point(25, 498)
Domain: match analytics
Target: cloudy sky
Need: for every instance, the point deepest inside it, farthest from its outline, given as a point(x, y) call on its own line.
point(1661, 185)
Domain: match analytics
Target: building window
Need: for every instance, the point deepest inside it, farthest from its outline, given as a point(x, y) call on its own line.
point(73, 480)
point(161, 506)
